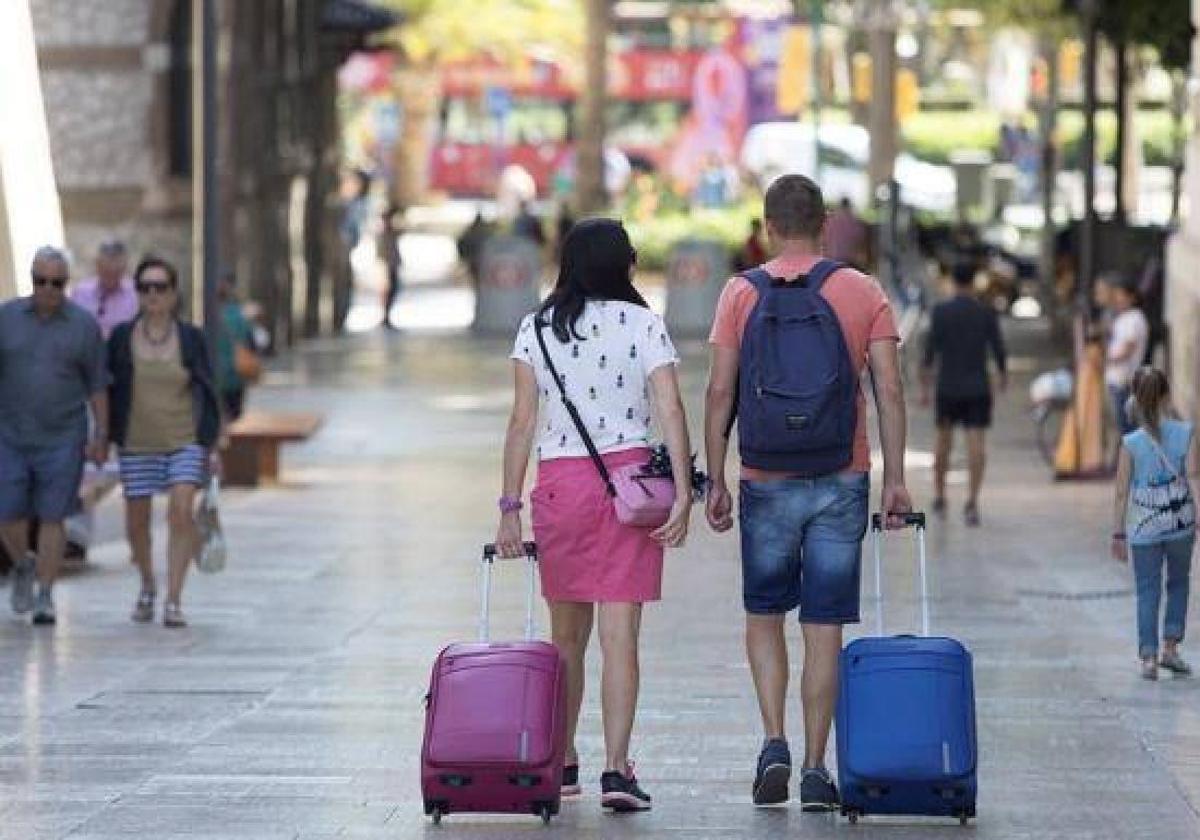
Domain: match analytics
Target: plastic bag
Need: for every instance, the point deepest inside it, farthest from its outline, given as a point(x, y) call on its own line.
point(212, 553)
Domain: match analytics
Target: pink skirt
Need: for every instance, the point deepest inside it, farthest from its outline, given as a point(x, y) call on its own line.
point(585, 553)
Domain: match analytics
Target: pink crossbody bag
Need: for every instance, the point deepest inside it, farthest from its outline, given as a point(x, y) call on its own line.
point(642, 497)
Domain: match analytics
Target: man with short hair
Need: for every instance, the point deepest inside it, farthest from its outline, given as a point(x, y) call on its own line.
point(51, 366)
point(109, 294)
point(1129, 337)
point(803, 511)
point(846, 235)
point(962, 331)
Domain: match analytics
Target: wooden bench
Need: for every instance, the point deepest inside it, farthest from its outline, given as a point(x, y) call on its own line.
point(252, 458)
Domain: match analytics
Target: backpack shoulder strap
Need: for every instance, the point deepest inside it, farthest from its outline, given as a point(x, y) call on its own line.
point(758, 277)
point(822, 271)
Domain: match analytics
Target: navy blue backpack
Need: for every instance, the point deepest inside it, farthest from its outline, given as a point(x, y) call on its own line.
point(797, 387)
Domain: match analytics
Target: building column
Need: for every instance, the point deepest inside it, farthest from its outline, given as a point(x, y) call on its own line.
point(30, 215)
point(1183, 255)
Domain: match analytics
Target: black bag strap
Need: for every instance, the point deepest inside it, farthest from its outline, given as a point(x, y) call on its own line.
point(538, 326)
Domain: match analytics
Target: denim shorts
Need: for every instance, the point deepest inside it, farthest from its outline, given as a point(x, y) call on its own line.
point(802, 546)
point(40, 481)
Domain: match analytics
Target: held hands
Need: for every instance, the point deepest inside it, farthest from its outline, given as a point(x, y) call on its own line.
point(97, 450)
point(674, 532)
point(719, 507)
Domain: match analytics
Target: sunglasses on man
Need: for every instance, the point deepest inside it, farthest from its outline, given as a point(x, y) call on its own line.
point(146, 287)
point(59, 283)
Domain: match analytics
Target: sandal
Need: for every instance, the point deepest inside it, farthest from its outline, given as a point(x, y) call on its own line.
point(143, 610)
point(173, 616)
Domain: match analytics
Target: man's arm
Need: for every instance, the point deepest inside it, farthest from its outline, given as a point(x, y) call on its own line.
point(718, 409)
point(884, 359)
point(932, 348)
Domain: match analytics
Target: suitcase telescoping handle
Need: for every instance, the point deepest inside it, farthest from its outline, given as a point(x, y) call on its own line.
point(915, 520)
point(490, 555)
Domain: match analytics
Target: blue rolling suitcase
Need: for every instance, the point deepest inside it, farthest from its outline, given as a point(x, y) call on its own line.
point(906, 716)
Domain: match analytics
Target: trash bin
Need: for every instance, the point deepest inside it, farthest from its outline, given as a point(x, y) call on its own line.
point(696, 273)
point(1004, 186)
point(971, 174)
point(509, 276)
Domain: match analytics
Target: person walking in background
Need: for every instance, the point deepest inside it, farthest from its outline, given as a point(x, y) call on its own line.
point(615, 363)
point(803, 510)
point(1154, 518)
point(392, 228)
point(1129, 336)
point(846, 236)
point(237, 351)
point(962, 333)
point(470, 245)
point(165, 423)
point(51, 369)
point(108, 294)
point(528, 226)
point(753, 252)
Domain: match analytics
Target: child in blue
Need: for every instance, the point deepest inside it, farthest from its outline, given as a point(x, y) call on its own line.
point(1155, 517)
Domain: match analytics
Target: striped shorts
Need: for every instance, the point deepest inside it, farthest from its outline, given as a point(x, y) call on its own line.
point(144, 475)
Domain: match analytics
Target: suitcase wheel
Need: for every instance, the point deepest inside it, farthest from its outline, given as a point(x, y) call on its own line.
point(545, 811)
point(852, 815)
point(436, 815)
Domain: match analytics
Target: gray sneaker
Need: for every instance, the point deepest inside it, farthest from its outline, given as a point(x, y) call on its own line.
point(22, 586)
point(43, 608)
point(817, 791)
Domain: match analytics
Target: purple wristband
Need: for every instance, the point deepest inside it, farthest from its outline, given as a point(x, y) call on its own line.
point(508, 504)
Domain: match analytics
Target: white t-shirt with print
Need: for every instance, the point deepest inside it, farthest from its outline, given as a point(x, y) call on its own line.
point(1130, 326)
point(605, 376)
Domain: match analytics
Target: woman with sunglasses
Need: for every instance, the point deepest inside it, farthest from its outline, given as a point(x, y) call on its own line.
point(616, 363)
point(165, 421)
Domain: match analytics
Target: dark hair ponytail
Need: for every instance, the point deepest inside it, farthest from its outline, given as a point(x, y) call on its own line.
point(1152, 399)
point(597, 264)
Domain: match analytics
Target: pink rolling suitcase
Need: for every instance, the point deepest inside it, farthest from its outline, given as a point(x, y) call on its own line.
point(495, 721)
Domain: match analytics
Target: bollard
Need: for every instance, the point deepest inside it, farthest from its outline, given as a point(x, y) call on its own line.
point(510, 272)
point(696, 273)
point(974, 188)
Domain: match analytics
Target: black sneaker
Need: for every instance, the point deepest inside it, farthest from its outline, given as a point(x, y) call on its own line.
point(773, 774)
point(570, 780)
point(817, 790)
point(620, 792)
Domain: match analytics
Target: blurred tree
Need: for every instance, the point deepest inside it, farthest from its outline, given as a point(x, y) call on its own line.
point(590, 194)
point(438, 30)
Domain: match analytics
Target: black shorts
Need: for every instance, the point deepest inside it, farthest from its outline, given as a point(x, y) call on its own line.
point(971, 412)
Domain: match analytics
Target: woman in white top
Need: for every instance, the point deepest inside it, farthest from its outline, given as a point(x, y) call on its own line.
point(617, 365)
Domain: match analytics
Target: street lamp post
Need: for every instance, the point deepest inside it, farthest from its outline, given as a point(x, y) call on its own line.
point(205, 203)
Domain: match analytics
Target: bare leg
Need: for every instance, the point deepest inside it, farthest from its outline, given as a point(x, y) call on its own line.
point(570, 628)
point(941, 459)
point(819, 687)
point(52, 541)
point(181, 523)
point(15, 535)
point(137, 531)
point(976, 462)
point(766, 649)
point(619, 628)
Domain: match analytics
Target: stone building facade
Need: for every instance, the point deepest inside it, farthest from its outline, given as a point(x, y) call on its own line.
point(116, 79)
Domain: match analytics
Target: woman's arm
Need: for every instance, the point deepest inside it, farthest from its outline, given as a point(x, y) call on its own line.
point(668, 408)
point(1120, 549)
point(518, 444)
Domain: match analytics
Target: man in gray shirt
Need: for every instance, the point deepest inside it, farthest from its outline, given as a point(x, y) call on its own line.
point(51, 366)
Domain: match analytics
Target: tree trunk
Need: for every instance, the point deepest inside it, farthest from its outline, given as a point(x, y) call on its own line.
point(1047, 117)
point(589, 178)
point(1122, 89)
point(1087, 238)
point(881, 118)
point(1178, 110)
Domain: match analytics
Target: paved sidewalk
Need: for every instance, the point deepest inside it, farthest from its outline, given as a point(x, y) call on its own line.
point(292, 706)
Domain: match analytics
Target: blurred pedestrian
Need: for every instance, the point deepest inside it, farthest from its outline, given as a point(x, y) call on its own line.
point(356, 193)
point(470, 245)
point(238, 362)
point(51, 369)
point(753, 252)
point(165, 423)
point(846, 236)
point(528, 226)
point(1154, 518)
point(805, 465)
point(389, 251)
point(962, 333)
point(1129, 336)
point(108, 294)
point(562, 226)
point(615, 363)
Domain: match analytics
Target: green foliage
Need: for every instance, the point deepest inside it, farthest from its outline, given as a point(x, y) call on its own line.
point(933, 135)
point(508, 29)
point(1165, 25)
point(654, 238)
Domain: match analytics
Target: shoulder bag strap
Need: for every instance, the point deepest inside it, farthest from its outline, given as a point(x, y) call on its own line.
point(539, 325)
point(1166, 460)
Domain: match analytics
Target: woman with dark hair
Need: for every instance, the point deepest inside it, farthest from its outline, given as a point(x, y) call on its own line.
point(1154, 517)
point(165, 420)
point(616, 364)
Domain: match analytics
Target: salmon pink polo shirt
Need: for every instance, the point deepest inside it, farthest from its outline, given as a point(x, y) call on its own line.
point(862, 309)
